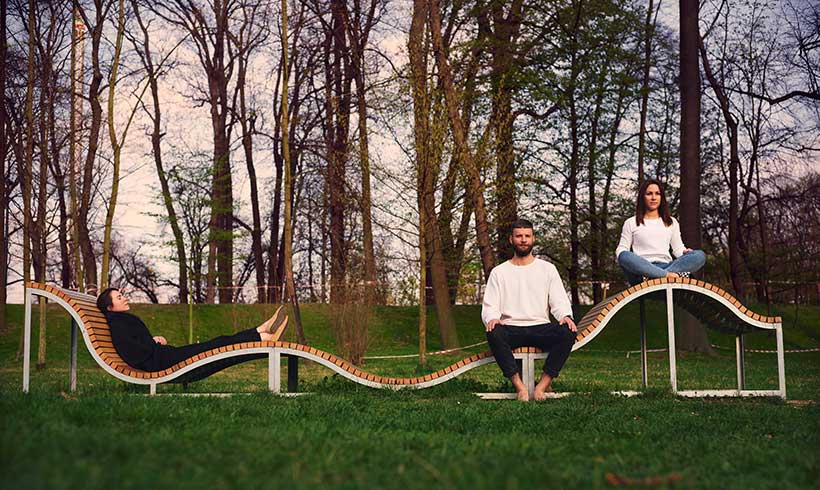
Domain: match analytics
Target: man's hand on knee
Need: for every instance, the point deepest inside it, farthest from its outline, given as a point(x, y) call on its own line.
point(491, 325)
point(569, 323)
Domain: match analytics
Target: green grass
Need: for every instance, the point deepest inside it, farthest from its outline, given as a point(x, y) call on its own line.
point(108, 435)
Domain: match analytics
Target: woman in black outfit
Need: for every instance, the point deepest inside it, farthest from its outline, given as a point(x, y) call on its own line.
point(139, 349)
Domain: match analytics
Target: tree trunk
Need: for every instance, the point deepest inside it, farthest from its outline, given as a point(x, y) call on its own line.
point(649, 29)
point(734, 164)
point(358, 33)
point(426, 184)
point(338, 118)
point(95, 125)
point(288, 231)
point(3, 183)
point(504, 35)
point(460, 137)
point(693, 335)
point(77, 42)
point(116, 148)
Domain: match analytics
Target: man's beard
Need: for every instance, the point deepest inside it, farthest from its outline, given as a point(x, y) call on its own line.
point(522, 252)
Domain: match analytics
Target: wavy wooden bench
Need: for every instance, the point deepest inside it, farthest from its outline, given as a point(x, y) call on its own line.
point(90, 321)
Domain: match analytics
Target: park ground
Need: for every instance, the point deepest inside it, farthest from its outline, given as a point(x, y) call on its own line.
point(110, 435)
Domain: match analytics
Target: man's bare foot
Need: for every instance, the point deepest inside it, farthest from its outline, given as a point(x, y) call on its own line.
point(672, 275)
point(522, 393)
point(543, 387)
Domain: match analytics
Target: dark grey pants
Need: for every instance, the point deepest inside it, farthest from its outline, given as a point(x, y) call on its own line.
point(549, 337)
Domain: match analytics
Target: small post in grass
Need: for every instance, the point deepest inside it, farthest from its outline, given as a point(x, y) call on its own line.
point(293, 374)
point(644, 372)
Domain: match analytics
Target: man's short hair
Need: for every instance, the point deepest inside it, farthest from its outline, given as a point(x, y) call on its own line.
point(521, 223)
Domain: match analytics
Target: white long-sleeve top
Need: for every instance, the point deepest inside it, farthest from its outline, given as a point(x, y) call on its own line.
point(525, 295)
point(651, 240)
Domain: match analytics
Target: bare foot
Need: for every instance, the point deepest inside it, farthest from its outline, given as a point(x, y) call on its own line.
point(522, 393)
point(543, 387)
point(672, 275)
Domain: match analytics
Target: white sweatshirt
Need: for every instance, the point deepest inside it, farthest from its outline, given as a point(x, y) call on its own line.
point(525, 295)
point(651, 240)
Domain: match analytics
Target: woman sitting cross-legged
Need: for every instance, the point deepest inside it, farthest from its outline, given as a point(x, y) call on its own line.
point(646, 238)
point(139, 349)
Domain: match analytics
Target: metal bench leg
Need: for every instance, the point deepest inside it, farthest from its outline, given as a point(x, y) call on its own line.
point(274, 371)
point(740, 347)
point(72, 362)
point(781, 364)
point(528, 373)
point(670, 325)
point(644, 371)
point(27, 342)
point(293, 374)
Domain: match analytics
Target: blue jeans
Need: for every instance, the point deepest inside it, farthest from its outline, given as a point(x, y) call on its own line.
point(636, 267)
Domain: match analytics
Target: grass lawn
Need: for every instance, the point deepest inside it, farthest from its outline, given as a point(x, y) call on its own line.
point(108, 435)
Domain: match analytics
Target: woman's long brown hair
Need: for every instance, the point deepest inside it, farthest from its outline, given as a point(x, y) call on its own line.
point(640, 205)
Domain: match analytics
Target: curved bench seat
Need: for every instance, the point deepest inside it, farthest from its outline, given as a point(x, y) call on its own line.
point(714, 306)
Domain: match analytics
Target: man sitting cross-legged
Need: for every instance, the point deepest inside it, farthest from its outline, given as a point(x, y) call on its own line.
point(520, 295)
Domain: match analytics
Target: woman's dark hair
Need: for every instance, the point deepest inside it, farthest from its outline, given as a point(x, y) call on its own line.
point(640, 205)
point(104, 300)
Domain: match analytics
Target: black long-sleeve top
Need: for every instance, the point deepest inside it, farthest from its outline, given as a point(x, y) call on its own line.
point(132, 340)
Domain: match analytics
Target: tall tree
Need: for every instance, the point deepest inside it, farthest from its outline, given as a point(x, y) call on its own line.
point(3, 183)
point(152, 72)
point(252, 33)
point(209, 31)
point(288, 231)
point(504, 43)
point(116, 146)
point(465, 154)
point(432, 251)
point(358, 27)
point(693, 334)
point(101, 8)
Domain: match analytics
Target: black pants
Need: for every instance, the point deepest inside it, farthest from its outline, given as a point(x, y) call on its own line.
point(167, 355)
point(549, 337)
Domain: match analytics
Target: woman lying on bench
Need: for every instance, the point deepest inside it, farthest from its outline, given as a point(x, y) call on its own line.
point(139, 349)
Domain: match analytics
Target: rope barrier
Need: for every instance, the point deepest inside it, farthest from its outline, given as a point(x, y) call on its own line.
point(436, 353)
point(627, 352)
point(764, 351)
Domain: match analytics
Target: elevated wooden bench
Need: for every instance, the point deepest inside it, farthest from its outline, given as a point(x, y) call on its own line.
point(91, 322)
